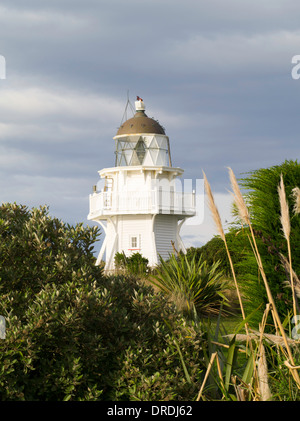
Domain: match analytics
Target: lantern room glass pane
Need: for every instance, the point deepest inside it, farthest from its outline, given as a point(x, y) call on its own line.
point(139, 150)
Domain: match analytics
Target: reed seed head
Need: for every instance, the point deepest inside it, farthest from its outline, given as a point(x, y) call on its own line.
point(296, 195)
point(213, 208)
point(238, 198)
point(285, 216)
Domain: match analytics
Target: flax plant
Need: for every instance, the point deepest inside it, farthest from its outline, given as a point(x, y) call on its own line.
point(193, 286)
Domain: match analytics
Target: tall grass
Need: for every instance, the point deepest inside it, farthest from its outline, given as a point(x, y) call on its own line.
point(217, 219)
point(251, 381)
point(286, 228)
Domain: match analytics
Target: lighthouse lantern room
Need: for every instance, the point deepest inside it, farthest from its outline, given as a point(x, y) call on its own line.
point(140, 207)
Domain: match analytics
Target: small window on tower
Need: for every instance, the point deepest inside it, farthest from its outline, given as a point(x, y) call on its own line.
point(134, 242)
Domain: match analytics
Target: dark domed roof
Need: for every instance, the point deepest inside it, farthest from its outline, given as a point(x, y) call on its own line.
point(140, 123)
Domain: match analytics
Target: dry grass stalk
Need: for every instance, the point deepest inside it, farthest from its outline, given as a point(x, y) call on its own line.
point(243, 351)
point(268, 337)
point(296, 195)
point(243, 211)
point(213, 356)
point(293, 367)
point(286, 266)
point(262, 370)
point(240, 392)
point(286, 227)
point(216, 217)
point(263, 323)
point(245, 216)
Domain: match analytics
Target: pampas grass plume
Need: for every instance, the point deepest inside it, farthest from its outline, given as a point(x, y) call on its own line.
point(213, 208)
point(296, 195)
point(285, 216)
point(286, 227)
point(238, 198)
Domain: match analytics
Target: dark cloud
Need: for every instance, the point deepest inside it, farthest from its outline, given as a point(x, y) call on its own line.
point(216, 74)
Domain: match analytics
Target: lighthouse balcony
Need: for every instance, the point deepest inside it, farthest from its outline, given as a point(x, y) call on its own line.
point(109, 203)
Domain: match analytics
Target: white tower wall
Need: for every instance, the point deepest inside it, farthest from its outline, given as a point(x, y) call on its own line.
point(165, 229)
point(139, 208)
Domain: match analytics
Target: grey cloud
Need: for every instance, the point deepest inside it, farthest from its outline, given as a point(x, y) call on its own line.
point(216, 74)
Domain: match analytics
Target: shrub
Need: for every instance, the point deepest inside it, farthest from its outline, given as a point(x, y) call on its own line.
point(111, 339)
point(73, 334)
point(135, 264)
point(36, 249)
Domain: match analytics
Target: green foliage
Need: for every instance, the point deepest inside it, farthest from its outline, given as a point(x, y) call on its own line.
point(262, 196)
point(194, 286)
point(167, 366)
point(264, 206)
point(231, 377)
point(236, 367)
point(281, 381)
point(262, 199)
point(36, 249)
point(73, 334)
point(273, 378)
point(214, 251)
point(102, 340)
point(135, 264)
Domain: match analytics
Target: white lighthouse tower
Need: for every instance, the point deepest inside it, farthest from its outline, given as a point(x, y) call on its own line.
point(140, 209)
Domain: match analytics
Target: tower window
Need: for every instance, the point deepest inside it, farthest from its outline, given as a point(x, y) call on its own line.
point(138, 153)
point(134, 242)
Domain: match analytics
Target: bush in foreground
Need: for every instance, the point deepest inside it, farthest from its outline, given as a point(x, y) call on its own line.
point(109, 340)
point(74, 334)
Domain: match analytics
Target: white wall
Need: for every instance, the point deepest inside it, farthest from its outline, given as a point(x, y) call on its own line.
point(165, 228)
point(139, 226)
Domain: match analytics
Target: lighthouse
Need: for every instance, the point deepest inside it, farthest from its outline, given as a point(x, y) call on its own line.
point(142, 206)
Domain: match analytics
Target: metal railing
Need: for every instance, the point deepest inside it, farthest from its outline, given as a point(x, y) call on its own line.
point(153, 201)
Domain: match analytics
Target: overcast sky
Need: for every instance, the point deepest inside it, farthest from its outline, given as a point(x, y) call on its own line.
point(216, 74)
